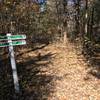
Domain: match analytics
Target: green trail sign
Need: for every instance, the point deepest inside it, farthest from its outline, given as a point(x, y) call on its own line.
point(12, 37)
point(13, 43)
point(10, 41)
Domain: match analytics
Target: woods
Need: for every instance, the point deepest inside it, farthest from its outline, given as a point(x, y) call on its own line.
point(23, 15)
point(56, 31)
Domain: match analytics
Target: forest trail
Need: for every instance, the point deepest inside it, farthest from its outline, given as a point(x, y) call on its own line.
point(75, 81)
point(58, 73)
point(61, 57)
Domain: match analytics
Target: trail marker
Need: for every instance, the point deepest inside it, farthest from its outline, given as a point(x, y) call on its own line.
point(8, 42)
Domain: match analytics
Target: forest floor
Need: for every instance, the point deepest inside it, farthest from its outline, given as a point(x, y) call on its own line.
point(56, 72)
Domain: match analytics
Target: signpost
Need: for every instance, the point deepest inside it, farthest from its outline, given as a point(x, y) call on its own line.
point(8, 42)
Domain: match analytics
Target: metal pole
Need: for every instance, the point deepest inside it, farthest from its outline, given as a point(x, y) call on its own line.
point(13, 65)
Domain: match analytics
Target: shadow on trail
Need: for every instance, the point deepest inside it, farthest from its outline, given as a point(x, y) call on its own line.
point(92, 54)
point(6, 82)
point(95, 63)
point(35, 82)
point(33, 49)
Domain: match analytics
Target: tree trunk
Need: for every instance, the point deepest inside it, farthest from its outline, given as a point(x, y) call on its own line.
point(91, 24)
point(86, 17)
point(65, 22)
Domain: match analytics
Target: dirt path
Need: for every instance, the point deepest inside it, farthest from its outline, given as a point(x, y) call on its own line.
point(75, 83)
point(57, 73)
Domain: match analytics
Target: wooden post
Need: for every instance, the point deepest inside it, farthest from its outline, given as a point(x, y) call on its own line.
point(13, 65)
